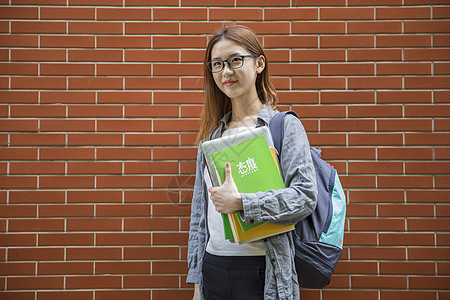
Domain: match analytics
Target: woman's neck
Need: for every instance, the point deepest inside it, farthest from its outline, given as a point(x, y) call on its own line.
point(244, 113)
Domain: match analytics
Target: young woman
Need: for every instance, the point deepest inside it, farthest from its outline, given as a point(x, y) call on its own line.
point(238, 96)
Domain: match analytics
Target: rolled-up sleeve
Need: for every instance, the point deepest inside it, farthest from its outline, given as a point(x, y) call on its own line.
point(298, 200)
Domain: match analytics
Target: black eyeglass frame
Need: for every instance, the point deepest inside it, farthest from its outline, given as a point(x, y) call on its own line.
point(227, 61)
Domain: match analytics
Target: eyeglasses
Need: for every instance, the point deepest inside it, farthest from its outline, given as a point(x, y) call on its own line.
point(234, 62)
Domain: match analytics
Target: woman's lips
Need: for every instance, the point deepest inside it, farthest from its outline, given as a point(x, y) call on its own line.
point(229, 82)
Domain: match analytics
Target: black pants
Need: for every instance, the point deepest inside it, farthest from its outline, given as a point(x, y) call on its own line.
point(233, 277)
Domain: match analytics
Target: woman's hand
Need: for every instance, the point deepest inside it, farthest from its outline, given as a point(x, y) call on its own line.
point(226, 198)
point(196, 293)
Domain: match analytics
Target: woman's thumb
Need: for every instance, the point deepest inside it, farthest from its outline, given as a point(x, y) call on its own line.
point(228, 175)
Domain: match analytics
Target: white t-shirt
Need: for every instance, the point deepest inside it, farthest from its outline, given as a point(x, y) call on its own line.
point(217, 244)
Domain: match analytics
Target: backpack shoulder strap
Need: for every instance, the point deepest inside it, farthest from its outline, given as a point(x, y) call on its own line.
point(276, 126)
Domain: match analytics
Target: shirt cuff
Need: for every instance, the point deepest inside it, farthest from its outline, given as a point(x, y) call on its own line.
point(252, 212)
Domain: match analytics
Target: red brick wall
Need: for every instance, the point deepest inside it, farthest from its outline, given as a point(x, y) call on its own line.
point(99, 108)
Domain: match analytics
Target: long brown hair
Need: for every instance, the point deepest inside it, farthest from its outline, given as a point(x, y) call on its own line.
point(217, 104)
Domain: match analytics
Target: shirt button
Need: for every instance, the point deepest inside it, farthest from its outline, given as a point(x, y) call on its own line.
point(252, 221)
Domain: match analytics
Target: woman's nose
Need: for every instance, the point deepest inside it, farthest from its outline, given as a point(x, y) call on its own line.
point(227, 69)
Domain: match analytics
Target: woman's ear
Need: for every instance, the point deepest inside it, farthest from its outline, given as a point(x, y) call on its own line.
point(260, 64)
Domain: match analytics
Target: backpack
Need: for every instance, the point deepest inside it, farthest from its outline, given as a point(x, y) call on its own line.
point(318, 238)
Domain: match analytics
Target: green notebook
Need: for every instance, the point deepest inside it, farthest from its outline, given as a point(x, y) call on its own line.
point(253, 168)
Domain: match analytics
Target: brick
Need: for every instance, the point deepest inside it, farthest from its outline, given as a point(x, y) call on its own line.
point(151, 55)
point(347, 97)
point(431, 138)
point(199, 27)
point(311, 27)
point(64, 268)
point(169, 210)
point(203, 3)
point(403, 68)
point(394, 13)
point(67, 13)
point(410, 153)
point(119, 239)
point(361, 210)
point(404, 125)
point(18, 69)
point(128, 210)
point(290, 42)
point(328, 111)
point(374, 55)
point(181, 14)
point(180, 69)
point(128, 14)
point(441, 68)
point(151, 196)
point(190, 111)
point(37, 139)
point(442, 210)
point(426, 54)
point(93, 282)
point(313, 83)
point(435, 110)
point(18, 125)
point(404, 96)
point(268, 28)
point(98, 83)
point(443, 268)
point(37, 111)
point(36, 197)
point(35, 283)
point(151, 139)
point(289, 14)
point(170, 267)
point(127, 97)
point(360, 238)
point(442, 153)
point(427, 168)
point(406, 210)
point(95, 111)
point(68, 295)
point(348, 13)
point(19, 13)
point(405, 181)
point(377, 111)
point(350, 294)
point(176, 97)
point(67, 69)
point(375, 168)
point(346, 69)
point(229, 14)
point(30, 254)
point(347, 125)
point(148, 28)
point(427, 282)
point(151, 83)
point(19, 96)
point(379, 282)
point(427, 253)
point(172, 294)
point(410, 239)
point(122, 267)
point(173, 181)
point(54, 41)
point(94, 55)
point(47, 83)
point(150, 167)
point(151, 224)
point(67, 97)
point(36, 168)
point(441, 12)
point(94, 196)
point(352, 267)
point(176, 125)
point(427, 196)
point(94, 224)
point(359, 181)
point(151, 253)
point(178, 42)
point(12, 239)
point(378, 253)
point(437, 224)
point(353, 41)
point(55, 182)
point(427, 82)
point(12, 294)
point(415, 40)
point(391, 224)
point(348, 153)
point(66, 239)
point(407, 295)
point(123, 69)
point(18, 182)
point(375, 82)
point(124, 125)
point(124, 42)
point(125, 294)
point(435, 26)
point(280, 55)
point(151, 281)
point(123, 153)
point(122, 181)
point(17, 269)
point(407, 268)
point(52, 211)
point(374, 27)
point(66, 153)
point(19, 41)
point(95, 28)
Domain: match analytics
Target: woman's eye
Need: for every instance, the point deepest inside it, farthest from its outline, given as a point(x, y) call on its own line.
point(236, 59)
point(217, 63)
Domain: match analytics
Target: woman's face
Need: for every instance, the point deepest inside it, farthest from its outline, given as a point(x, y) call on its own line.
point(236, 83)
